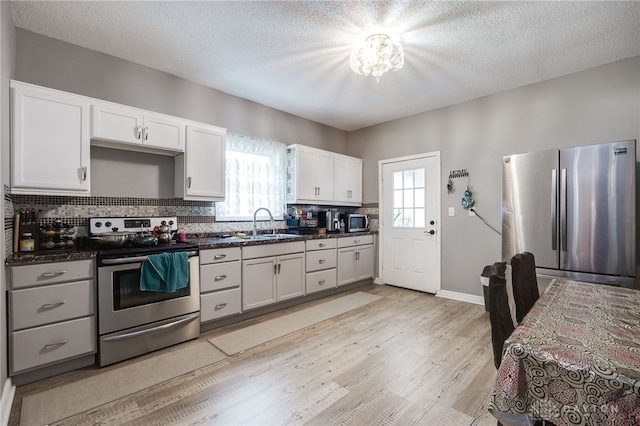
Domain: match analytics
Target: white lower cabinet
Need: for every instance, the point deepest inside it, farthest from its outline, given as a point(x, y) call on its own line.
point(355, 259)
point(271, 273)
point(51, 313)
point(220, 283)
point(321, 261)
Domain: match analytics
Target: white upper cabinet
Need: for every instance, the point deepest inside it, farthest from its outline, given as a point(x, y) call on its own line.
point(200, 172)
point(50, 142)
point(318, 176)
point(347, 180)
point(138, 129)
point(309, 175)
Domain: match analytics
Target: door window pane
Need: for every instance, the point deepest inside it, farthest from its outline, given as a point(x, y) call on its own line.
point(408, 198)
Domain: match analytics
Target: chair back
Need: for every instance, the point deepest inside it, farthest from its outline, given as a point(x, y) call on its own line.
point(499, 314)
point(525, 283)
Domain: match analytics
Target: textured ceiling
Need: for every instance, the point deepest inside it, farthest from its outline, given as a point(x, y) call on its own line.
point(294, 55)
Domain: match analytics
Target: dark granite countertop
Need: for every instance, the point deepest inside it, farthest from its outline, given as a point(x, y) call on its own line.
point(221, 242)
point(18, 259)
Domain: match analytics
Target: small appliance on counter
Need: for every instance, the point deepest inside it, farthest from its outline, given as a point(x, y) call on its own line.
point(330, 220)
point(356, 222)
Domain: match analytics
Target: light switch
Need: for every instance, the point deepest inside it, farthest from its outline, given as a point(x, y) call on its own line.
point(452, 211)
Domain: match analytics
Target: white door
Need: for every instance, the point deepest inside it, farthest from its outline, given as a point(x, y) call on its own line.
point(205, 163)
point(410, 228)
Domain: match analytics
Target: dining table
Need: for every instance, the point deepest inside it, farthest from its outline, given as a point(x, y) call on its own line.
point(574, 359)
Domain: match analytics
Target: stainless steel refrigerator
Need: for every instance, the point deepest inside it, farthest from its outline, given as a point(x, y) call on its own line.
point(575, 210)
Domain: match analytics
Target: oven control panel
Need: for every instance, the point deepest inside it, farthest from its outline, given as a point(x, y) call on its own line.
point(98, 225)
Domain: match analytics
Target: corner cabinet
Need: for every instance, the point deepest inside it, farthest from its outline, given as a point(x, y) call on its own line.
point(49, 142)
point(347, 180)
point(309, 175)
point(200, 172)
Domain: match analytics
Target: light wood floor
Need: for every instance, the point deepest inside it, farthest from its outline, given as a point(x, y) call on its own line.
point(407, 359)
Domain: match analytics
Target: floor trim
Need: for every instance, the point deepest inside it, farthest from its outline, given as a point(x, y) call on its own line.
point(6, 402)
point(462, 297)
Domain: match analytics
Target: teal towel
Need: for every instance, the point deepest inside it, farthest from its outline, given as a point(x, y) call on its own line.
point(167, 272)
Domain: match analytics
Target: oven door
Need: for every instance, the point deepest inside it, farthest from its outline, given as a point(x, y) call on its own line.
point(122, 305)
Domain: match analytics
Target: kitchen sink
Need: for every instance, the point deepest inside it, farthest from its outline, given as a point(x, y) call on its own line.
point(273, 236)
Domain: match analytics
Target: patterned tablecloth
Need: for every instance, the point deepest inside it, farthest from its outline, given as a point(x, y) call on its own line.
point(575, 359)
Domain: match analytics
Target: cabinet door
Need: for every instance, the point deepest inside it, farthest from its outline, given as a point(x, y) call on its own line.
point(314, 170)
point(50, 142)
point(116, 123)
point(205, 171)
point(307, 177)
point(160, 131)
point(347, 180)
point(354, 179)
point(258, 282)
point(346, 265)
point(364, 262)
point(324, 175)
point(290, 276)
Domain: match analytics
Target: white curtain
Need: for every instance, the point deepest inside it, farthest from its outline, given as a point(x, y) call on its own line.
point(256, 177)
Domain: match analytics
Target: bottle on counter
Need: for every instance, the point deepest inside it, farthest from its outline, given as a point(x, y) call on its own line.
point(27, 243)
point(341, 225)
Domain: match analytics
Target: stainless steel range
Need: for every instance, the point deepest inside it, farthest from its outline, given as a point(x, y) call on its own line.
point(132, 322)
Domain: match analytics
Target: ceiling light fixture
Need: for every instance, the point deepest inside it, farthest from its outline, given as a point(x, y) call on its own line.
point(376, 55)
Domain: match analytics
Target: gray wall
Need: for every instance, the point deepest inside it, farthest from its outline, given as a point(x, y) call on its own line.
point(52, 63)
point(7, 56)
point(592, 106)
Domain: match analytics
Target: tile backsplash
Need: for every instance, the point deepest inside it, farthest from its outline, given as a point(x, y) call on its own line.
point(195, 217)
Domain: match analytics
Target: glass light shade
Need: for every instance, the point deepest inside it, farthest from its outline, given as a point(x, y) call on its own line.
point(376, 55)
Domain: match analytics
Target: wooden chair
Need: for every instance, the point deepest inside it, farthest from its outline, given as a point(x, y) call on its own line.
point(499, 314)
point(525, 283)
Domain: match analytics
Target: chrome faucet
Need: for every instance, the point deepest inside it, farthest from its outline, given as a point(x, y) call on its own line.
point(273, 223)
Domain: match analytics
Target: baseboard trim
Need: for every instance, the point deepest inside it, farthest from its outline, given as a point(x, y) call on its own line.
point(6, 402)
point(462, 297)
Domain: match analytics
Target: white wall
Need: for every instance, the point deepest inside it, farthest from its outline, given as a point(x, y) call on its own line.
point(592, 106)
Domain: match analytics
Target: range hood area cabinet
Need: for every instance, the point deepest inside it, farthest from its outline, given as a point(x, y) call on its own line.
point(316, 176)
point(52, 131)
point(49, 142)
point(200, 172)
point(136, 129)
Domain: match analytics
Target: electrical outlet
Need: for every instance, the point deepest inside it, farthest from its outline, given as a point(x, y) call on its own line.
point(472, 212)
point(452, 211)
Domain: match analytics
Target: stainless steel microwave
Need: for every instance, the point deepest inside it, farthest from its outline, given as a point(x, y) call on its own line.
point(357, 222)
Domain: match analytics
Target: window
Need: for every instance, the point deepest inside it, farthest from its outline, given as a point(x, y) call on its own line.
point(408, 198)
point(256, 173)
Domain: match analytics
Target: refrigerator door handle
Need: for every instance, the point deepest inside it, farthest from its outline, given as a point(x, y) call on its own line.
point(563, 210)
point(554, 210)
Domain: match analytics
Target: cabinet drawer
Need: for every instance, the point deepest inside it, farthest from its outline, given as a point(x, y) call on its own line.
point(220, 304)
point(45, 305)
point(321, 259)
point(219, 276)
point(219, 255)
point(355, 240)
point(321, 244)
point(321, 280)
point(52, 343)
point(274, 249)
point(51, 273)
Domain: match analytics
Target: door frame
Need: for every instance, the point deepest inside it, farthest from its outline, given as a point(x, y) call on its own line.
point(381, 206)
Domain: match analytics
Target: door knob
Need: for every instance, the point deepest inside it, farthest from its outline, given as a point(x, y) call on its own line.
point(430, 232)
